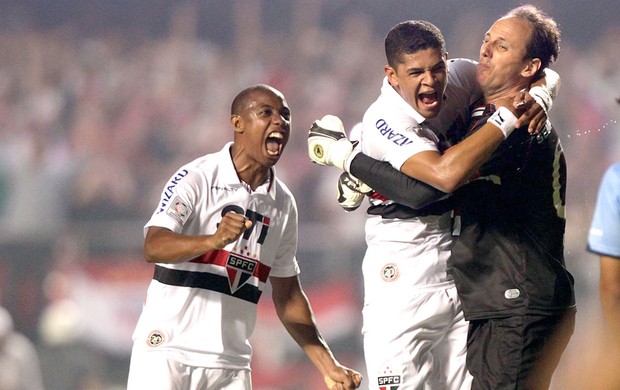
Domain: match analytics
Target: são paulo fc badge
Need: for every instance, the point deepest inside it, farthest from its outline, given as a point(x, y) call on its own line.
point(389, 272)
point(389, 380)
point(239, 269)
point(155, 338)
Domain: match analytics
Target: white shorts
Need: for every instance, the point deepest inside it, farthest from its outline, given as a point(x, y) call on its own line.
point(416, 342)
point(154, 371)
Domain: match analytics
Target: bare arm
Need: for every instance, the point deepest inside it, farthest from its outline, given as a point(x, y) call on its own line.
point(460, 163)
point(296, 315)
point(162, 245)
point(444, 173)
point(610, 293)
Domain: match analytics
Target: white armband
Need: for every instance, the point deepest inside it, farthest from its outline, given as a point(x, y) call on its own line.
point(504, 119)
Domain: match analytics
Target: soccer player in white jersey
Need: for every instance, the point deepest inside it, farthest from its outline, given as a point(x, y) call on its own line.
point(224, 226)
point(414, 330)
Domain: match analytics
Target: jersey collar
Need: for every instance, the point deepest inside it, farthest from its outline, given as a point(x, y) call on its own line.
point(393, 97)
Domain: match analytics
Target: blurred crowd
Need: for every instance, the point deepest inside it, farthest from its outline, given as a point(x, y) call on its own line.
point(92, 125)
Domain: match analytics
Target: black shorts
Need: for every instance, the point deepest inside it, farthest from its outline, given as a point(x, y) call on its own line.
point(518, 352)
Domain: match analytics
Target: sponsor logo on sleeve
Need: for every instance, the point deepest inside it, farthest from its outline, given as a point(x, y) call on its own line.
point(386, 130)
point(169, 190)
point(178, 210)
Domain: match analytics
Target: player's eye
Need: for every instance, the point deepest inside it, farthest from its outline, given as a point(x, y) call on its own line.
point(439, 68)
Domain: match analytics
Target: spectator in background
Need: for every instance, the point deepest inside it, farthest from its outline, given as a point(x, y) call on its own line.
point(604, 240)
point(19, 360)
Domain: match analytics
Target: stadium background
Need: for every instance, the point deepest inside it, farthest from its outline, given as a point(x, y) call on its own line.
point(101, 100)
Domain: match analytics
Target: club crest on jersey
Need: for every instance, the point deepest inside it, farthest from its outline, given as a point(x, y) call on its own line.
point(239, 269)
point(389, 381)
point(155, 338)
point(389, 272)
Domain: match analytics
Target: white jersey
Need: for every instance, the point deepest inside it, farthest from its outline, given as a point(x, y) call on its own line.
point(414, 330)
point(417, 249)
point(202, 312)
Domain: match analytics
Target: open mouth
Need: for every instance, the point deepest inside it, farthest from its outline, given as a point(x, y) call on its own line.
point(274, 143)
point(429, 98)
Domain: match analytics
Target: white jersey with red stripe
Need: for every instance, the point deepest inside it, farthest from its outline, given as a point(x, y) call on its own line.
point(393, 131)
point(414, 330)
point(202, 312)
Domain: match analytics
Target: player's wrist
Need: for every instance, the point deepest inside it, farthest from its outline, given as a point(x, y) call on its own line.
point(504, 119)
point(339, 151)
point(348, 159)
point(542, 96)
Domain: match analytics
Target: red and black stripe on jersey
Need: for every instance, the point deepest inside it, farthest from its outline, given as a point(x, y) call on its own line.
point(235, 283)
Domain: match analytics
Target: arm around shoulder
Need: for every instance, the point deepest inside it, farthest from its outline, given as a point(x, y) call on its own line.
point(382, 177)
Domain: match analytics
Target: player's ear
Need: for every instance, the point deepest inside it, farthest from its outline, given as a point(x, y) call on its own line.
point(531, 68)
point(391, 75)
point(237, 123)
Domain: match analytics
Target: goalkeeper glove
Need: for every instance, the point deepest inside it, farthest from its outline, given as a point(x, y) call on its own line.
point(351, 191)
point(328, 143)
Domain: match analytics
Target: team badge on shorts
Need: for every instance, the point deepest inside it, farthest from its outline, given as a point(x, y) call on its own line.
point(389, 380)
point(155, 338)
point(389, 272)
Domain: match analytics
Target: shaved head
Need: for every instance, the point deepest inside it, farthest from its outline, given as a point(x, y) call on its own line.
point(243, 98)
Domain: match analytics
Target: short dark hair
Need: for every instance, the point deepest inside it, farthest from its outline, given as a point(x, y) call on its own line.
point(544, 43)
point(240, 101)
point(412, 36)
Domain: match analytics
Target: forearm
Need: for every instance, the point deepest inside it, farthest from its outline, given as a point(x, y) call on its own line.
point(457, 165)
point(295, 313)
point(392, 183)
point(610, 292)
point(312, 343)
point(164, 246)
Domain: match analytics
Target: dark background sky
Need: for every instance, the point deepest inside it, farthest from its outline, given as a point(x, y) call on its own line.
point(581, 21)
